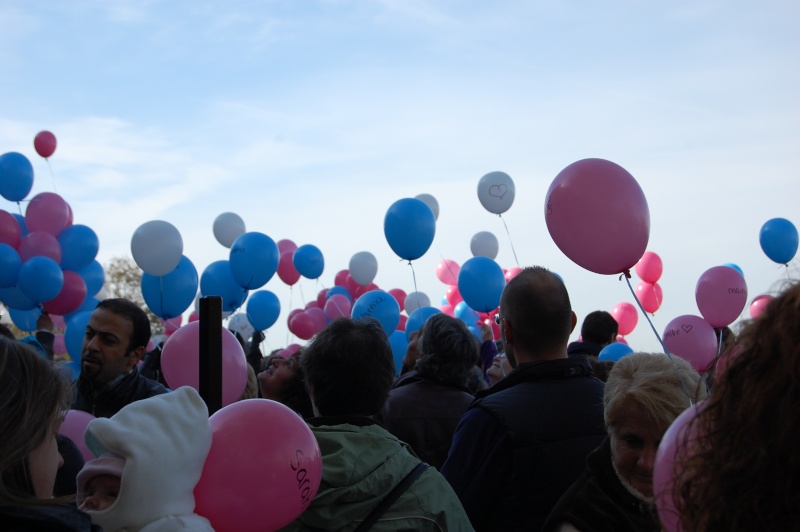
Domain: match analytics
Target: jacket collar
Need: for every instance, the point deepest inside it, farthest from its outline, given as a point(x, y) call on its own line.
point(563, 368)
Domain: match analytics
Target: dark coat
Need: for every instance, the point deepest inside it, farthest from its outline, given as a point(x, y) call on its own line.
point(45, 518)
point(115, 395)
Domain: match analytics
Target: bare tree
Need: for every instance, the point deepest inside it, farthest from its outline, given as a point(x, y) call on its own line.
point(124, 279)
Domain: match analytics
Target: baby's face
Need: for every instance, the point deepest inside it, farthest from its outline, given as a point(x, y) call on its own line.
point(101, 492)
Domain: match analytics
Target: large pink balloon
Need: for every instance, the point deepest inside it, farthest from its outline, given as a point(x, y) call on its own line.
point(180, 361)
point(447, 271)
point(47, 212)
point(302, 325)
point(9, 229)
point(263, 470)
point(650, 296)
point(693, 339)
point(338, 306)
point(286, 245)
point(759, 305)
point(598, 216)
point(72, 294)
point(286, 270)
point(649, 267)
point(721, 294)
point(39, 243)
point(73, 427)
point(626, 317)
point(44, 143)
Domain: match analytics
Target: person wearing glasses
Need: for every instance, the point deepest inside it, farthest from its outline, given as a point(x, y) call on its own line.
point(524, 441)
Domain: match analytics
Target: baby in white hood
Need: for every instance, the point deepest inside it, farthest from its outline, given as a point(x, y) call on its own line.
point(156, 447)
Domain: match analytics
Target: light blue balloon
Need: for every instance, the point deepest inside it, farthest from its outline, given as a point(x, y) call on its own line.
point(466, 314)
point(399, 345)
point(308, 260)
point(79, 245)
point(217, 280)
point(94, 276)
point(778, 239)
point(15, 298)
point(16, 176)
point(735, 267)
point(169, 296)
point(263, 309)
point(476, 331)
point(409, 227)
point(378, 305)
point(40, 278)
point(254, 259)
point(481, 282)
point(418, 318)
point(614, 351)
point(74, 333)
point(338, 290)
point(25, 320)
point(9, 266)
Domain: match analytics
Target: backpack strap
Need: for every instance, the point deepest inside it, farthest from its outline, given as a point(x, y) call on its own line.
point(390, 499)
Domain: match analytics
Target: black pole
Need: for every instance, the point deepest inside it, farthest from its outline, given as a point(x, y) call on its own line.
point(211, 352)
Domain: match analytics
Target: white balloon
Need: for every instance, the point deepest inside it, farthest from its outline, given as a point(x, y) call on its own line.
point(239, 323)
point(496, 192)
point(157, 247)
point(228, 226)
point(484, 244)
point(431, 202)
point(416, 300)
point(363, 267)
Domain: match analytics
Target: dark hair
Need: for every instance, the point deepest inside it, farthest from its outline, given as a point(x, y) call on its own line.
point(741, 471)
point(5, 331)
point(350, 366)
point(33, 399)
point(537, 304)
point(599, 327)
point(448, 350)
point(294, 393)
point(133, 312)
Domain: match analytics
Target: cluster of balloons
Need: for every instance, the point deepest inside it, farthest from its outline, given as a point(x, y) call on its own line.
point(648, 292)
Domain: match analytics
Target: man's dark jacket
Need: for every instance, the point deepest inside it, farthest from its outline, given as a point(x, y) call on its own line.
point(111, 398)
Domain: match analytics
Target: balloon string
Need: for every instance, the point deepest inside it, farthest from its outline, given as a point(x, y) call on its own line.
point(414, 276)
point(291, 292)
point(19, 206)
point(627, 275)
point(447, 263)
point(509, 240)
point(52, 175)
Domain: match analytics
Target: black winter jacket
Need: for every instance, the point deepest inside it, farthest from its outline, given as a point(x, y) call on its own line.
point(112, 397)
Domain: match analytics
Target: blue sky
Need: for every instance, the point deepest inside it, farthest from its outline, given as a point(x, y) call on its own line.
point(309, 119)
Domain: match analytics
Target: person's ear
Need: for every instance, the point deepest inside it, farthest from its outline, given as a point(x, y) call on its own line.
point(574, 322)
point(135, 356)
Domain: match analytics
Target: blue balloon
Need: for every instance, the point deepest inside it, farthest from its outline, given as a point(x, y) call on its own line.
point(614, 351)
point(9, 266)
point(25, 320)
point(409, 227)
point(40, 278)
point(254, 260)
point(778, 239)
point(463, 312)
point(378, 305)
point(13, 297)
point(418, 318)
point(399, 345)
point(481, 282)
point(217, 280)
point(74, 333)
point(94, 276)
point(16, 176)
point(263, 309)
point(338, 290)
point(169, 296)
point(476, 331)
point(308, 261)
point(23, 225)
point(735, 267)
point(89, 304)
point(79, 245)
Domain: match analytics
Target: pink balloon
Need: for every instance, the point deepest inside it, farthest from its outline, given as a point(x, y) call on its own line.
point(322, 297)
point(338, 306)
point(447, 271)
point(286, 270)
point(44, 143)
point(621, 339)
point(172, 325)
point(39, 243)
point(72, 294)
point(668, 462)
point(400, 296)
point(721, 294)
point(286, 245)
point(319, 318)
point(626, 317)
point(59, 346)
point(302, 325)
point(453, 295)
point(292, 313)
point(292, 349)
point(9, 229)
point(511, 273)
point(351, 285)
point(650, 296)
point(361, 290)
point(693, 339)
point(58, 322)
point(598, 216)
point(180, 358)
point(261, 453)
point(649, 267)
point(73, 427)
point(401, 326)
point(759, 305)
point(449, 310)
point(47, 212)
point(341, 277)
point(313, 304)
point(194, 316)
point(150, 346)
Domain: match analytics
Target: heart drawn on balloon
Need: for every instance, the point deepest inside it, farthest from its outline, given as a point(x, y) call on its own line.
point(686, 328)
point(498, 191)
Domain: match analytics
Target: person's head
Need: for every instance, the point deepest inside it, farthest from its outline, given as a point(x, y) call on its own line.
point(349, 368)
point(745, 458)
point(447, 350)
point(599, 327)
point(499, 369)
point(99, 482)
point(283, 380)
point(643, 395)
point(535, 316)
point(34, 397)
point(115, 340)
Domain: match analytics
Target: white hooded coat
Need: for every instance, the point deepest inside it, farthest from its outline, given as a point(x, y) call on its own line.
point(164, 440)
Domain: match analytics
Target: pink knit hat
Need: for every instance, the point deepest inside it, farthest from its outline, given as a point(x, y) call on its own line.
point(105, 464)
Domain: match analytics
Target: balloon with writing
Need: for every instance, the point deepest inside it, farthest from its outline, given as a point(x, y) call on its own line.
point(496, 192)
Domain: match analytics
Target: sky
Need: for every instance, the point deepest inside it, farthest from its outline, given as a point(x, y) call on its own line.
point(309, 119)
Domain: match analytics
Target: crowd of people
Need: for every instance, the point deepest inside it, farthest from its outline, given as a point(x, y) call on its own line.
point(524, 432)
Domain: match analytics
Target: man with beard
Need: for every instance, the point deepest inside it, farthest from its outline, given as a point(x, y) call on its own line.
point(115, 341)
